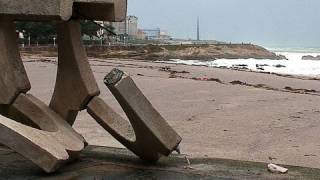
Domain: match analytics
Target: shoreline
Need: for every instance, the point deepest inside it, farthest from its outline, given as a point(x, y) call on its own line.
point(35, 58)
point(302, 77)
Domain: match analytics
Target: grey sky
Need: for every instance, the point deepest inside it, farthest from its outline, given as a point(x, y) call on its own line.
point(291, 23)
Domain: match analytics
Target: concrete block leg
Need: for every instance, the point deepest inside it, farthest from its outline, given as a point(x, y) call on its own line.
point(13, 77)
point(150, 136)
point(75, 83)
point(31, 143)
point(50, 145)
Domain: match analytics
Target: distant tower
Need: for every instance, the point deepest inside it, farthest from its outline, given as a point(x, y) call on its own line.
point(198, 29)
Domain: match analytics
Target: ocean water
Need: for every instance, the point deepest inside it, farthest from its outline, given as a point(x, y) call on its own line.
point(293, 66)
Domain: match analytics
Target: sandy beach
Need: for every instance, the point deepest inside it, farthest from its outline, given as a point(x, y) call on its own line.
point(219, 113)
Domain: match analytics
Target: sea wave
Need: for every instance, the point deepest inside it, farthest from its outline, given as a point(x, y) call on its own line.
point(293, 66)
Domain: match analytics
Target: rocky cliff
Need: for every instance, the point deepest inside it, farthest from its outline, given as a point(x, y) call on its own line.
point(186, 52)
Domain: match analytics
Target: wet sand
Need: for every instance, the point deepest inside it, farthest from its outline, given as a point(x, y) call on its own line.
point(219, 113)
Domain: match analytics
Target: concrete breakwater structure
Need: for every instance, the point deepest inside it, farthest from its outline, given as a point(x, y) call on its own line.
point(44, 134)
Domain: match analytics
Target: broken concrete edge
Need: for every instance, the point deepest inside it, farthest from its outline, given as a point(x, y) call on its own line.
point(112, 78)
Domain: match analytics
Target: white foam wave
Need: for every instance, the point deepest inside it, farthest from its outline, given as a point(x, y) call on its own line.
point(293, 66)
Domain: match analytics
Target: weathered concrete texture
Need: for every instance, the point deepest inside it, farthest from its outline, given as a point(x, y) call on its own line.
point(36, 131)
point(111, 10)
point(51, 145)
point(108, 10)
point(75, 83)
point(106, 163)
point(37, 9)
point(153, 135)
point(13, 77)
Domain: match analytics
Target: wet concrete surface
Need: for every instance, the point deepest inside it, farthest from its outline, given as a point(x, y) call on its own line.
point(98, 163)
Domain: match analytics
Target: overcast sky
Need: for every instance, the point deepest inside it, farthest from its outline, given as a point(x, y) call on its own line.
point(291, 23)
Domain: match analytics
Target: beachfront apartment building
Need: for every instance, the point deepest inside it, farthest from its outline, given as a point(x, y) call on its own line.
point(128, 27)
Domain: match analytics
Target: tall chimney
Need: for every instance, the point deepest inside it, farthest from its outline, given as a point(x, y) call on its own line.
point(198, 29)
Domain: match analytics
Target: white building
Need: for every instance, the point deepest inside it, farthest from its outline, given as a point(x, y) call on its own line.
point(128, 27)
point(152, 33)
point(164, 36)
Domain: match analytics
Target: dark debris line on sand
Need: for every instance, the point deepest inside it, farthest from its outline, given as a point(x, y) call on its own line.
point(174, 74)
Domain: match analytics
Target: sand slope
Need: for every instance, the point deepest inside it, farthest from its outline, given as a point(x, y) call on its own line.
point(219, 113)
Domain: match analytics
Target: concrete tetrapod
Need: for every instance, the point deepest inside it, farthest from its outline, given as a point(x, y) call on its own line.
point(34, 130)
point(149, 136)
point(50, 144)
point(76, 87)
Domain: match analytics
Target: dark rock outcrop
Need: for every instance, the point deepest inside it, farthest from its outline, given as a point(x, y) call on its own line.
point(279, 66)
point(309, 57)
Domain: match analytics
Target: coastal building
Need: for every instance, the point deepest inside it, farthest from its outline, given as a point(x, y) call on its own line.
point(132, 26)
point(152, 34)
point(128, 27)
point(164, 36)
point(141, 35)
point(156, 34)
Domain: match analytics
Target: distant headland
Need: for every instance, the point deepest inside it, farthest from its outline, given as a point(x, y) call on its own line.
point(167, 52)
